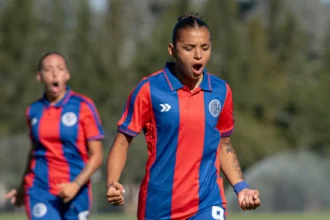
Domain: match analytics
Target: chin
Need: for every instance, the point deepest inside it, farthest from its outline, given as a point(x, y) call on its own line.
point(196, 76)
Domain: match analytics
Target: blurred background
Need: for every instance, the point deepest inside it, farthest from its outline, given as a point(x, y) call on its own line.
point(275, 54)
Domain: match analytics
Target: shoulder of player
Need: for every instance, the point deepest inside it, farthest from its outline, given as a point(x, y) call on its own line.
point(35, 104)
point(85, 102)
point(154, 76)
point(149, 79)
point(217, 82)
point(81, 98)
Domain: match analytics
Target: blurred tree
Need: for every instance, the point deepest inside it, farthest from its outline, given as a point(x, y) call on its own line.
point(112, 86)
point(16, 22)
point(227, 42)
point(152, 52)
point(241, 54)
point(81, 54)
point(326, 53)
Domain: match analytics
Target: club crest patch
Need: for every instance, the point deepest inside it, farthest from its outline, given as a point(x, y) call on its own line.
point(69, 119)
point(39, 210)
point(215, 107)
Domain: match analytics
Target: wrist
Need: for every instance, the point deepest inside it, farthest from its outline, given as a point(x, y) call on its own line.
point(110, 184)
point(238, 187)
point(79, 184)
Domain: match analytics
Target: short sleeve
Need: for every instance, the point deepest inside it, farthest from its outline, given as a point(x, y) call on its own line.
point(91, 121)
point(136, 111)
point(226, 119)
point(28, 122)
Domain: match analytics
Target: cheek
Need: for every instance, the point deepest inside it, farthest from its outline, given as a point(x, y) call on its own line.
point(207, 55)
point(45, 77)
point(64, 76)
point(184, 65)
point(183, 58)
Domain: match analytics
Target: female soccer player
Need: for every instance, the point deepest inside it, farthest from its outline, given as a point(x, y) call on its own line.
point(66, 134)
point(187, 117)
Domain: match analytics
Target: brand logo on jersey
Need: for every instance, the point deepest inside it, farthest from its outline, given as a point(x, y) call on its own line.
point(165, 107)
point(215, 107)
point(39, 210)
point(34, 121)
point(69, 119)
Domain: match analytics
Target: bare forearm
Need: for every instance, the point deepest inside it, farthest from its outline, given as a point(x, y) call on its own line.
point(117, 157)
point(94, 162)
point(230, 164)
point(116, 162)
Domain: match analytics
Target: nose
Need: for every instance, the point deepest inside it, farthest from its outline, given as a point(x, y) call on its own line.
point(198, 54)
point(54, 73)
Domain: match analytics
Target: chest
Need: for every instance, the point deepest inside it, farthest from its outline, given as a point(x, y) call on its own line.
point(182, 107)
point(55, 124)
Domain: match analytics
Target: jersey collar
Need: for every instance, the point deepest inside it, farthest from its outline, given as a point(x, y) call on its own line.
point(60, 103)
point(175, 84)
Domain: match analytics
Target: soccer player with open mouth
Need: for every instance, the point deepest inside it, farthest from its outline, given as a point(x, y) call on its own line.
point(186, 114)
point(66, 148)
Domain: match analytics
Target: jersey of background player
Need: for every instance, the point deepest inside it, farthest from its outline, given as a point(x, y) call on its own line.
point(59, 134)
point(182, 131)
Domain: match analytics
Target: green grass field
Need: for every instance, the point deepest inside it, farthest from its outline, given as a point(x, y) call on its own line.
point(247, 216)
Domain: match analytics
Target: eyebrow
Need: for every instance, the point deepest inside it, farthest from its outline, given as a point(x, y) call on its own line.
point(49, 65)
point(193, 45)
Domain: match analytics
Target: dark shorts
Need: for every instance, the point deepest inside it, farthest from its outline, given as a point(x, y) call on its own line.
point(41, 205)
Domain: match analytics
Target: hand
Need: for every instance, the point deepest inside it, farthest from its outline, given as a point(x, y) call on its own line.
point(16, 197)
point(115, 194)
point(248, 199)
point(67, 191)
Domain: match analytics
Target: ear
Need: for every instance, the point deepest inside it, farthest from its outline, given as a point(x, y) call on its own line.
point(171, 50)
point(67, 76)
point(38, 76)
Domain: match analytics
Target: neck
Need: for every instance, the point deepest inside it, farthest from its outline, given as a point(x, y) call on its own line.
point(53, 100)
point(186, 81)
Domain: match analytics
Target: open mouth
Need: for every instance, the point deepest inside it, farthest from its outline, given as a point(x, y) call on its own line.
point(197, 67)
point(55, 84)
point(55, 87)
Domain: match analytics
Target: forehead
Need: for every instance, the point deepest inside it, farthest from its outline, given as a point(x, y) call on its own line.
point(194, 35)
point(53, 58)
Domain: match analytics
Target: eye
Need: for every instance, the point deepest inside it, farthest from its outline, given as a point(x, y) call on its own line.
point(205, 48)
point(188, 48)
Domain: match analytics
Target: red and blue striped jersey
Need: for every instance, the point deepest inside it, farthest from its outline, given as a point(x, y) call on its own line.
point(60, 134)
point(182, 130)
